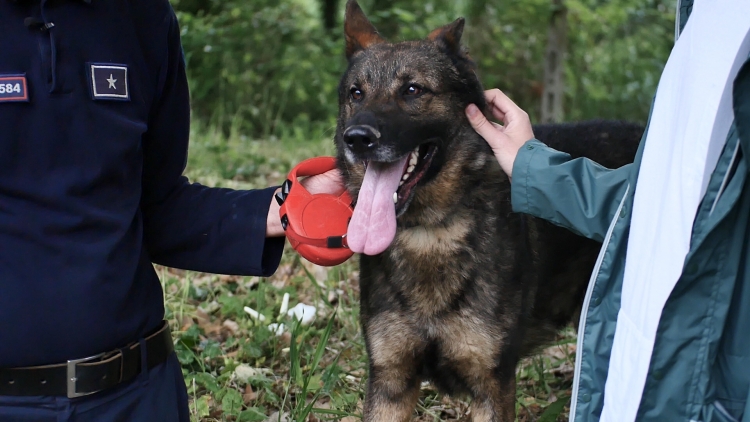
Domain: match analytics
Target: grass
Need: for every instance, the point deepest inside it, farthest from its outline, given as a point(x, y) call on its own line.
point(237, 369)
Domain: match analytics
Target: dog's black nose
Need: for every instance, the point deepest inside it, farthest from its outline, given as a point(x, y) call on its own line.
point(361, 138)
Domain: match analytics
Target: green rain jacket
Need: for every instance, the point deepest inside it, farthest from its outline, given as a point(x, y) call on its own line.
point(700, 366)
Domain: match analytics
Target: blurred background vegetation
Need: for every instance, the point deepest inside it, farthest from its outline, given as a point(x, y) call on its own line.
point(270, 68)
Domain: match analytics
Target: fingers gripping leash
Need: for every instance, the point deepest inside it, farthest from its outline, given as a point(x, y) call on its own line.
point(315, 224)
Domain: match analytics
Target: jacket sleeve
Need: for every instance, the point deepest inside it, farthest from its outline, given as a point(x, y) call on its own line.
point(187, 225)
point(577, 194)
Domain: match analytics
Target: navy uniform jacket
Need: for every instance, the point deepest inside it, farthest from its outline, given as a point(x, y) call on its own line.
point(94, 122)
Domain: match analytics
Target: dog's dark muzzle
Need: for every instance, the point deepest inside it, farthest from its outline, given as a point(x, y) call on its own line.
point(361, 139)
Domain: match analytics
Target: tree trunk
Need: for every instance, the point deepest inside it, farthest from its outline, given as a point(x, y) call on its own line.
point(554, 65)
point(329, 10)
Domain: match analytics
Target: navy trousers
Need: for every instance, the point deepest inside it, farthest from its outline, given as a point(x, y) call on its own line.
point(158, 395)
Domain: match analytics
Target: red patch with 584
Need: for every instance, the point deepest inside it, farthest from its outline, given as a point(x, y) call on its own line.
point(13, 88)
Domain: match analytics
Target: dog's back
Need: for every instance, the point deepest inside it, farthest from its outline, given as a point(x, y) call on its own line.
point(611, 143)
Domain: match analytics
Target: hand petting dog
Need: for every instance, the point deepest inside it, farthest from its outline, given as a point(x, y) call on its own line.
point(505, 139)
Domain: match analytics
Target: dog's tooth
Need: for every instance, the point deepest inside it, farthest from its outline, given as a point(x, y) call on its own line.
point(401, 183)
point(410, 169)
point(395, 197)
point(414, 159)
point(406, 176)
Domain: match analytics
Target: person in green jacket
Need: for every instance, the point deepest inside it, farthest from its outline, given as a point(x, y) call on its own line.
point(664, 333)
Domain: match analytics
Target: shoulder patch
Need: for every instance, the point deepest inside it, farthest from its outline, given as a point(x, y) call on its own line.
point(108, 81)
point(13, 88)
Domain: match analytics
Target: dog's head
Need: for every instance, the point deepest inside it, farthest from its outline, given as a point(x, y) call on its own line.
point(402, 133)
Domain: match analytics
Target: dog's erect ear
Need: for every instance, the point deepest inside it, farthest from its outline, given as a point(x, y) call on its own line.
point(360, 33)
point(449, 36)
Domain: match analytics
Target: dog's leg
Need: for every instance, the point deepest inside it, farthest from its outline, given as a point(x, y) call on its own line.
point(485, 359)
point(496, 402)
point(393, 384)
point(391, 396)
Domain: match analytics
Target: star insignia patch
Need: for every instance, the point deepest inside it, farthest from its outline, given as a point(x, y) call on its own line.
point(108, 81)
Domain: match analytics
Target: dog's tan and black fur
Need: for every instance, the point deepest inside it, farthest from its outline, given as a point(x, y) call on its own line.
point(467, 287)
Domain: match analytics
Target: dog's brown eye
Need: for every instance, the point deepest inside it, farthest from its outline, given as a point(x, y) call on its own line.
point(413, 90)
point(356, 94)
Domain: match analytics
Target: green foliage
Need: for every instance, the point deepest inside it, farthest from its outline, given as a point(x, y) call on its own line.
point(554, 410)
point(507, 40)
point(618, 50)
point(269, 65)
point(237, 161)
point(270, 69)
point(298, 374)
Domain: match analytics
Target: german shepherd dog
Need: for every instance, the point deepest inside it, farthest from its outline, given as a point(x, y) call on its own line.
point(455, 287)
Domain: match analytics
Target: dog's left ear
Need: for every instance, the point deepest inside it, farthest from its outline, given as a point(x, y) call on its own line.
point(359, 31)
point(449, 36)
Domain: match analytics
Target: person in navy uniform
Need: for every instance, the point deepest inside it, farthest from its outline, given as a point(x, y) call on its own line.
point(94, 124)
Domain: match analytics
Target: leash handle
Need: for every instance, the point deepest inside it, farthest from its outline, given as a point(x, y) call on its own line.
point(312, 167)
point(315, 225)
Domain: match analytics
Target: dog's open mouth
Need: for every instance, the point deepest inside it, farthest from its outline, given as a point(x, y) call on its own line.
point(387, 189)
point(414, 170)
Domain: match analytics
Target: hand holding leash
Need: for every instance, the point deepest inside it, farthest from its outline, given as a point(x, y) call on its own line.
point(327, 182)
point(315, 211)
point(505, 139)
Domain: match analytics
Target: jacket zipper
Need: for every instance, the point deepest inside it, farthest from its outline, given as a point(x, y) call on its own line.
point(585, 308)
point(48, 49)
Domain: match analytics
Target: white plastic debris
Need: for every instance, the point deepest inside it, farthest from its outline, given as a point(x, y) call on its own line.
point(254, 314)
point(245, 372)
point(277, 329)
point(284, 304)
point(305, 314)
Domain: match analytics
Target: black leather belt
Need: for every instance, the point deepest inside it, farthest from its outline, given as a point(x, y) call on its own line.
point(81, 377)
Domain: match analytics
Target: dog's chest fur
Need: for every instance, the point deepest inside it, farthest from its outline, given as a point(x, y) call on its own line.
point(445, 294)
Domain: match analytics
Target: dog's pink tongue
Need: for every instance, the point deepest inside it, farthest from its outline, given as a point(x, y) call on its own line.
point(373, 225)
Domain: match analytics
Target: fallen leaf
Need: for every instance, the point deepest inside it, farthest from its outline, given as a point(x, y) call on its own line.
point(202, 317)
point(249, 395)
point(232, 326)
point(186, 323)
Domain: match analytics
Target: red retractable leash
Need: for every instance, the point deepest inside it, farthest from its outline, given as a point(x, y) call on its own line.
point(315, 225)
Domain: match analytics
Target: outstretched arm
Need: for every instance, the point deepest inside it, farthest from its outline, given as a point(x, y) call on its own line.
point(577, 194)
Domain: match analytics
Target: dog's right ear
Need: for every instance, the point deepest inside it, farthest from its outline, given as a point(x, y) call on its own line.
point(359, 32)
point(449, 36)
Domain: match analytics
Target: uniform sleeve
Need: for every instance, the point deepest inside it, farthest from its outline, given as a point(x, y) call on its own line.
point(577, 194)
point(187, 225)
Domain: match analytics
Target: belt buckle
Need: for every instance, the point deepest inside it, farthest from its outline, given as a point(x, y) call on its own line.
point(71, 376)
